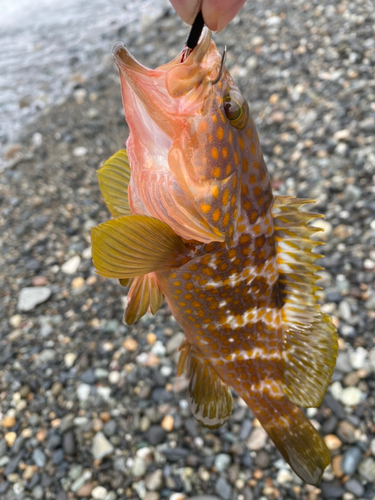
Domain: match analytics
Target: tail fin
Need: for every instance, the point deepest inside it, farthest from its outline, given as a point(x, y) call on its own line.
point(294, 436)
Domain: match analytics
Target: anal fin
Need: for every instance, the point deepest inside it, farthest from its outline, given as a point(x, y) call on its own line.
point(310, 337)
point(210, 400)
point(144, 295)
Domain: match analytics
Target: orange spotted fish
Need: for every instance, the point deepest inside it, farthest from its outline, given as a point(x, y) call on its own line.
point(197, 222)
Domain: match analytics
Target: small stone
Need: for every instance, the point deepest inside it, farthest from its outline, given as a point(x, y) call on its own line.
point(154, 480)
point(222, 461)
point(246, 427)
point(8, 421)
point(155, 435)
point(351, 396)
point(39, 458)
point(358, 358)
point(71, 266)
point(114, 377)
point(78, 283)
point(367, 469)
point(99, 493)
point(333, 442)
point(37, 492)
point(10, 437)
point(223, 489)
point(151, 338)
point(167, 423)
point(28, 472)
point(130, 344)
point(350, 460)
point(30, 297)
point(345, 432)
point(139, 467)
point(332, 489)
point(101, 447)
point(284, 476)
point(80, 151)
point(262, 459)
point(56, 388)
point(85, 490)
point(83, 392)
point(355, 487)
point(257, 439)
point(69, 443)
point(15, 320)
point(174, 343)
point(69, 359)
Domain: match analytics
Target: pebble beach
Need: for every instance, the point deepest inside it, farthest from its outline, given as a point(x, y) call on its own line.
point(90, 407)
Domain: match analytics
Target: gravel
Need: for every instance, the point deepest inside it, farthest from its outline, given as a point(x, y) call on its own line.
point(91, 407)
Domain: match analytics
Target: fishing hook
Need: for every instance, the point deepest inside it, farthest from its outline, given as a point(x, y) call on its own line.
point(217, 79)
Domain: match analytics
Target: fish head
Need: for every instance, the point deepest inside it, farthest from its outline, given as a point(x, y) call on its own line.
point(189, 140)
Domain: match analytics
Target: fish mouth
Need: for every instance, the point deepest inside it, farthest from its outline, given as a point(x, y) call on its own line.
point(173, 90)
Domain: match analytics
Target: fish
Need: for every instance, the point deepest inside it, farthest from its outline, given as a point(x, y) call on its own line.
point(195, 221)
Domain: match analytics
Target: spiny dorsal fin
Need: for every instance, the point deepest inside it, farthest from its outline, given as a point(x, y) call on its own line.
point(310, 337)
point(114, 178)
point(144, 295)
point(134, 245)
point(210, 400)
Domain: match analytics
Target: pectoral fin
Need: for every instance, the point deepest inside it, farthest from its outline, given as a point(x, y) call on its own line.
point(310, 337)
point(144, 295)
point(134, 245)
point(210, 400)
point(114, 178)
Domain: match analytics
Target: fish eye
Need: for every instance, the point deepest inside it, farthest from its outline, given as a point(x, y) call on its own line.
point(236, 109)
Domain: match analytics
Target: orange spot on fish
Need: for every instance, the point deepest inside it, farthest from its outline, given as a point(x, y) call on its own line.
point(177, 283)
point(215, 191)
point(260, 240)
point(253, 149)
point(209, 247)
point(230, 137)
point(245, 165)
point(216, 215)
point(247, 205)
point(241, 143)
point(244, 190)
point(225, 197)
point(256, 165)
point(257, 191)
point(182, 304)
point(205, 208)
point(253, 216)
point(216, 171)
point(188, 296)
point(233, 200)
point(186, 276)
point(203, 126)
point(220, 133)
point(224, 152)
point(244, 238)
point(236, 158)
point(189, 286)
point(228, 169)
point(234, 181)
point(214, 118)
point(252, 179)
point(249, 132)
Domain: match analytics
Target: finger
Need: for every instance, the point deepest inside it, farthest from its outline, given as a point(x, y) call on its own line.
point(187, 9)
point(218, 13)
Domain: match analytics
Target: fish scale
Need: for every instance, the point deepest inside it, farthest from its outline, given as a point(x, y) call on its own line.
point(235, 263)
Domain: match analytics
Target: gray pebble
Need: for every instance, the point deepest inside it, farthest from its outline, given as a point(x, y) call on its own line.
point(3, 448)
point(69, 444)
point(350, 460)
point(355, 487)
point(222, 461)
point(110, 428)
point(37, 492)
point(75, 472)
point(155, 435)
point(174, 343)
point(154, 480)
point(39, 458)
point(223, 488)
point(367, 469)
point(332, 489)
point(101, 447)
point(246, 427)
point(58, 456)
point(30, 297)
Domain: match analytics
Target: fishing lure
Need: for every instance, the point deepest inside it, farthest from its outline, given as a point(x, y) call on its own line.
point(195, 221)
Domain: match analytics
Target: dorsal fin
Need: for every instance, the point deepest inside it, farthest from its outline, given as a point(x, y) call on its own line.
point(114, 178)
point(144, 295)
point(210, 400)
point(310, 337)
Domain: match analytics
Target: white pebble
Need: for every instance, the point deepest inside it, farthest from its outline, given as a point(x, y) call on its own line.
point(80, 151)
point(69, 359)
point(351, 396)
point(336, 389)
point(30, 297)
point(71, 266)
point(114, 377)
point(284, 476)
point(99, 493)
point(83, 392)
point(358, 358)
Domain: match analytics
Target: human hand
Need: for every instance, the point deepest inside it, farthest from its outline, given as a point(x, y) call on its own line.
point(216, 13)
